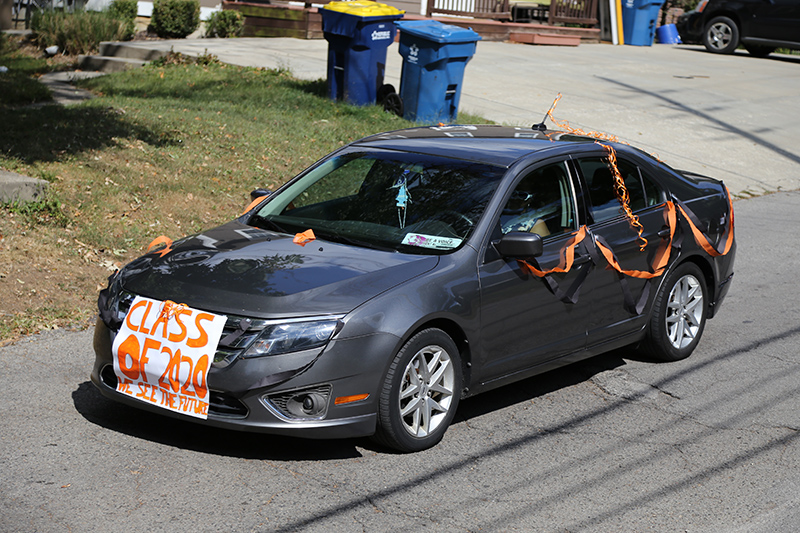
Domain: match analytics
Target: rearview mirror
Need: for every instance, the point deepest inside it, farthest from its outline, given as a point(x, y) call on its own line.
point(520, 244)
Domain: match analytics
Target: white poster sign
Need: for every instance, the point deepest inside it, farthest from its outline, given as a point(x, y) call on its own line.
point(163, 352)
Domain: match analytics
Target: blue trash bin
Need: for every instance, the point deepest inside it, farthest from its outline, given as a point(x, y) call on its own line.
point(434, 58)
point(639, 21)
point(358, 34)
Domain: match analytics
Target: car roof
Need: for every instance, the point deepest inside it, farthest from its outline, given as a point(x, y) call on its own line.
point(491, 144)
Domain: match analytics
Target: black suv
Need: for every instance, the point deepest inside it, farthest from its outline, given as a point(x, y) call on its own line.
point(760, 26)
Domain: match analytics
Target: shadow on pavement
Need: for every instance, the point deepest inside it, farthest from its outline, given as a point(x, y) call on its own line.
point(121, 418)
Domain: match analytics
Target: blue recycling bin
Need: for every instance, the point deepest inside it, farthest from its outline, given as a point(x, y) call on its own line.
point(358, 34)
point(639, 21)
point(434, 58)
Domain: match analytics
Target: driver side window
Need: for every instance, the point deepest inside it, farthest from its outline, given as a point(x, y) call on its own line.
point(541, 203)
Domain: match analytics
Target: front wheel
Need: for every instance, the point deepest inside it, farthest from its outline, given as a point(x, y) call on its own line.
point(679, 315)
point(721, 36)
point(420, 393)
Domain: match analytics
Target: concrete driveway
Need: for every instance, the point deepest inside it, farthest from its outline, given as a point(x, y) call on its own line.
point(730, 117)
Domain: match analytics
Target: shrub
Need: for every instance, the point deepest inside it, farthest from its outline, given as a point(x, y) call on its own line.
point(126, 11)
point(225, 24)
point(175, 18)
point(77, 33)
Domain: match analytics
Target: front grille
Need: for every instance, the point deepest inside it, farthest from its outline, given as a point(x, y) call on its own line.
point(223, 404)
point(226, 353)
point(219, 403)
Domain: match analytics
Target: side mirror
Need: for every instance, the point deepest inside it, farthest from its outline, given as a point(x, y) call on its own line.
point(520, 244)
point(258, 193)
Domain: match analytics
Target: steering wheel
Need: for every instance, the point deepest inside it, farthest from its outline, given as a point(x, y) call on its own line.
point(456, 219)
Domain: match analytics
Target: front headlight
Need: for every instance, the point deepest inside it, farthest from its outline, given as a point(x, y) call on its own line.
point(292, 337)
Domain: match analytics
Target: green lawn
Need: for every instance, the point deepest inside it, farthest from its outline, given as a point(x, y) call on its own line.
point(169, 149)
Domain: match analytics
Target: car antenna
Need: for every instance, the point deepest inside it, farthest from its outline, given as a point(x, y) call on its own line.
point(541, 126)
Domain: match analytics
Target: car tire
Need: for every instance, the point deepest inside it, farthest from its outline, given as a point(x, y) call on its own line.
point(756, 50)
point(679, 315)
point(420, 393)
point(721, 36)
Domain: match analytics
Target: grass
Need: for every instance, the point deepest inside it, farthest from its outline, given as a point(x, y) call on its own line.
point(171, 149)
point(19, 86)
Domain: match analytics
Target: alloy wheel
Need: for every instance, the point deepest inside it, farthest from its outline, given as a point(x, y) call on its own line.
point(720, 35)
point(684, 311)
point(426, 392)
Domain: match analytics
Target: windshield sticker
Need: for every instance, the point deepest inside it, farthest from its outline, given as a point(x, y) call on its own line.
point(435, 242)
point(163, 352)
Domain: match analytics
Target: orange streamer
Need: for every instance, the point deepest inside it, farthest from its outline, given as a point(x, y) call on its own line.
point(254, 203)
point(621, 192)
point(662, 255)
point(567, 257)
point(170, 309)
point(304, 238)
point(577, 131)
point(161, 239)
point(703, 241)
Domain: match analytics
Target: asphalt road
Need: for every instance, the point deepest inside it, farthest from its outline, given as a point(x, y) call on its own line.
point(708, 444)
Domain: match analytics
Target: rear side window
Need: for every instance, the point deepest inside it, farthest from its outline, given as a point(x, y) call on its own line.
point(600, 182)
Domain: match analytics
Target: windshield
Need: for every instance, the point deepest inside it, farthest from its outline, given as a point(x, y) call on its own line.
point(385, 199)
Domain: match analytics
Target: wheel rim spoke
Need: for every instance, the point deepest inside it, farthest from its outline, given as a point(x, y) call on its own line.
point(426, 391)
point(684, 311)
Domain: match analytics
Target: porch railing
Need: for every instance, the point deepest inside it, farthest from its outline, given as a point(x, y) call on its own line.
point(486, 9)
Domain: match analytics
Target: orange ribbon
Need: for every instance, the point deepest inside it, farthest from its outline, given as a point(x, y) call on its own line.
point(254, 203)
point(304, 238)
point(162, 239)
point(703, 241)
point(662, 255)
point(567, 257)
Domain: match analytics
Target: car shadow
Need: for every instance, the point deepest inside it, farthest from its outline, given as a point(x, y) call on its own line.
point(169, 431)
point(539, 385)
point(743, 53)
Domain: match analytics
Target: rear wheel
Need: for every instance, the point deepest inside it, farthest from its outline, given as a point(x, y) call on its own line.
point(721, 36)
point(679, 315)
point(420, 393)
point(390, 100)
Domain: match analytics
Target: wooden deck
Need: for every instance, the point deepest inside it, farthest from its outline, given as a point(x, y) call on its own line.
point(283, 20)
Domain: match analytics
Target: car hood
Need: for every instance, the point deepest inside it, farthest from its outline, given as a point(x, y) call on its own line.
point(242, 270)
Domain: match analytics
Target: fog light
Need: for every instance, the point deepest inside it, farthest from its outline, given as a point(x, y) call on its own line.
point(308, 404)
point(301, 404)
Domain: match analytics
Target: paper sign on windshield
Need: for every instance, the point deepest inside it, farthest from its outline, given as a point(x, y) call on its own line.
point(163, 352)
point(431, 241)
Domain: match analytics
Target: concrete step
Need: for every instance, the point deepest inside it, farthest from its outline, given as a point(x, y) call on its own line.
point(128, 50)
point(109, 64)
point(18, 188)
point(545, 38)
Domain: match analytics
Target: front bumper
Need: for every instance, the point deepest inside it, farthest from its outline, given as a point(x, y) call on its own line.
point(690, 27)
point(240, 400)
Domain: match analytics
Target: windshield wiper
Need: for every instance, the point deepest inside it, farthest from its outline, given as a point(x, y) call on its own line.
point(334, 236)
point(261, 222)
